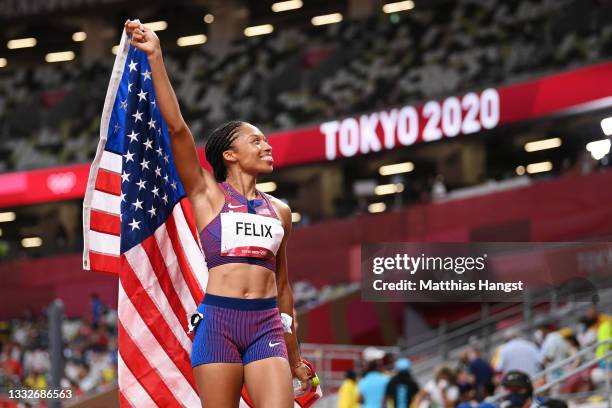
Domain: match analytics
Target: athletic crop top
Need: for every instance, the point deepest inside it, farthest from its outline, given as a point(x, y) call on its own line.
point(245, 231)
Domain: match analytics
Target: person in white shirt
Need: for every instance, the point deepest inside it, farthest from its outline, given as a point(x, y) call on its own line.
point(519, 354)
point(553, 348)
point(440, 392)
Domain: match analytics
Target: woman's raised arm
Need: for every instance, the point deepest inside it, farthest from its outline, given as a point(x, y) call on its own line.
point(195, 179)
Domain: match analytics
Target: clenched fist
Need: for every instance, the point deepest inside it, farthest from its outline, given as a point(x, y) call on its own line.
point(142, 38)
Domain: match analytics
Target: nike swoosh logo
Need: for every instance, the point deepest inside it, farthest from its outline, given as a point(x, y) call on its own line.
point(235, 206)
point(270, 344)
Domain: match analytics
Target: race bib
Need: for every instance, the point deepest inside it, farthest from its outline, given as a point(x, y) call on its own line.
point(252, 235)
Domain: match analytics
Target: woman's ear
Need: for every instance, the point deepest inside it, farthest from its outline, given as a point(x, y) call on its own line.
point(230, 156)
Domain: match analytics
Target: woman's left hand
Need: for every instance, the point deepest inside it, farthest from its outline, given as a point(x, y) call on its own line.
point(302, 372)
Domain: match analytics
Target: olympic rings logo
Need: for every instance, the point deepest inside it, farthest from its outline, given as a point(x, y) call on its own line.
point(61, 183)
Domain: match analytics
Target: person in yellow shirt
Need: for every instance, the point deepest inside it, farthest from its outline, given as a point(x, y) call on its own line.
point(348, 394)
point(604, 333)
point(36, 380)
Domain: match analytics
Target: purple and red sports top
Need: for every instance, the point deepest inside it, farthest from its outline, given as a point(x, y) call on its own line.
point(245, 231)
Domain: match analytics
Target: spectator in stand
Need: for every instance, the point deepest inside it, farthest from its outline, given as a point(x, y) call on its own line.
point(402, 387)
point(467, 397)
point(518, 354)
point(10, 364)
point(374, 382)
point(36, 380)
point(579, 381)
point(440, 392)
point(465, 380)
point(553, 348)
point(604, 333)
point(519, 393)
point(97, 308)
point(589, 325)
point(587, 331)
point(348, 394)
point(482, 373)
point(601, 374)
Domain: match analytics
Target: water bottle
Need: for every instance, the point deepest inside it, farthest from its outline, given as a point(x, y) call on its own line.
point(301, 388)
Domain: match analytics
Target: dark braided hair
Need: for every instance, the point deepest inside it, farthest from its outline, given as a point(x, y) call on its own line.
point(219, 141)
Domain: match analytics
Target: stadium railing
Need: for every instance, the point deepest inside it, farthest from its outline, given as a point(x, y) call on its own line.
point(551, 385)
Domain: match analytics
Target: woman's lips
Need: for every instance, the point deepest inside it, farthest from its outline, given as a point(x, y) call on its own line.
point(268, 159)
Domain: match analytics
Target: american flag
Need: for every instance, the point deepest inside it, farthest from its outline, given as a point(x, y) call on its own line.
point(138, 224)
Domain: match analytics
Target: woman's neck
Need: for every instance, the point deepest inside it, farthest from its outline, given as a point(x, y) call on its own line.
point(244, 184)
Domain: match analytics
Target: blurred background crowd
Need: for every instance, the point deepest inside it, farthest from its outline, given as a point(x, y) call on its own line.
point(474, 378)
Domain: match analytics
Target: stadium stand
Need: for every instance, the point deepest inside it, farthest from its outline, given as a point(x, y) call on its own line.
point(298, 76)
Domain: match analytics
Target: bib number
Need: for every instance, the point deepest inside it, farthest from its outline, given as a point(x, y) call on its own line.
point(250, 235)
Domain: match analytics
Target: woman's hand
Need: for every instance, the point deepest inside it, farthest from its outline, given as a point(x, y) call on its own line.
point(142, 38)
point(302, 372)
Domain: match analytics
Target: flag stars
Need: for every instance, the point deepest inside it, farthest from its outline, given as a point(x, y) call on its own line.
point(128, 157)
point(138, 204)
point(153, 103)
point(125, 176)
point(166, 178)
point(146, 75)
point(133, 65)
point(166, 157)
point(142, 96)
point(117, 127)
point(173, 184)
point(141, 185)
point(137, 116)
point(124, 105)
point(130, 87)
point(123, 197)
point(155, 191)
point(148, 144)
point(152, 211)
point(151, 124)
point(157, 171)
point(144, 164)
point(133, 136)
point(159, 151)
point(134, 224)
point(165, 198)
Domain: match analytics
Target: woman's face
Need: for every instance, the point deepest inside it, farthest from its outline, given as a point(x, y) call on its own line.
point(250, 150)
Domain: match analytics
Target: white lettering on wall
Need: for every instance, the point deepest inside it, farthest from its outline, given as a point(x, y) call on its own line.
point(370, 132)
point(349, 137)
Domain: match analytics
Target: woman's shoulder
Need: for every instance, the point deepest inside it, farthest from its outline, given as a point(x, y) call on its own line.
point(281, 208)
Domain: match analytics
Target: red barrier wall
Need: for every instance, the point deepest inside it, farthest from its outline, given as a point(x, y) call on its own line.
point(35, 283)
point(566, 209)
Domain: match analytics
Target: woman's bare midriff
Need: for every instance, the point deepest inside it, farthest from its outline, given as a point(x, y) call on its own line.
point(241, 281)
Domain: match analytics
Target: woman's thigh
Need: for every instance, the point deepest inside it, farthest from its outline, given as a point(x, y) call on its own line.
point(268, 382)
point(219, 384)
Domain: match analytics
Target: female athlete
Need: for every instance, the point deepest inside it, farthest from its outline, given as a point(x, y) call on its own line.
point(241, 337)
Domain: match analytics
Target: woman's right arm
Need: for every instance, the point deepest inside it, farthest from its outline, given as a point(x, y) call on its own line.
point(195, 179)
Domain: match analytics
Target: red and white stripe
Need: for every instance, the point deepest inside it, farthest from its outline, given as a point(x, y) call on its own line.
point(141, 343)
point(102, 203)
point(154, 301)
point(131, 393)
point(102, 210)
